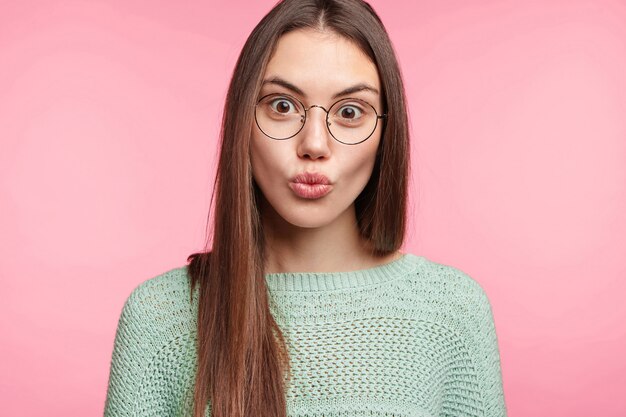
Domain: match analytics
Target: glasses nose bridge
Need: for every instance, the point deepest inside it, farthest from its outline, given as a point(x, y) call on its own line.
point(306, 113)
point(316, 105)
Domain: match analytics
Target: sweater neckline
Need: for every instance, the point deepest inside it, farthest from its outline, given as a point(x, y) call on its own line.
point(328, 281)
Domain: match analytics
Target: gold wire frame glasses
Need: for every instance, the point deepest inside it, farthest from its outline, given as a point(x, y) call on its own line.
point(349, 120)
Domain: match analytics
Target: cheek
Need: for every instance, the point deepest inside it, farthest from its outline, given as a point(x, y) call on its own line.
point(265, 159)
point(365, 156)
point(358, 166)
point(366, 164)
point(257, 153)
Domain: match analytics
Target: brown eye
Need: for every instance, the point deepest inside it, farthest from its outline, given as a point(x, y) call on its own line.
point(282, 106)
point(350, 112)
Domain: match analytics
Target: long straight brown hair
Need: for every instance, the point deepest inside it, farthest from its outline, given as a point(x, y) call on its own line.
point(243, 364)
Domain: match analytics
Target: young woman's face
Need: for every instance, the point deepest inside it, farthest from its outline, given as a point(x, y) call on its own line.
point(319, 65)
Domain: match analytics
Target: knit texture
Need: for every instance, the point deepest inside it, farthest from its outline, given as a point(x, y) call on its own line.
point(411, 338)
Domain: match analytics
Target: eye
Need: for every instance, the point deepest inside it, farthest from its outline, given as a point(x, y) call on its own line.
point(282, 105)
point(350, 112)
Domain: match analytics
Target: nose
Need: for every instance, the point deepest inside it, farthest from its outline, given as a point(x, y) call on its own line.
point(315, 136)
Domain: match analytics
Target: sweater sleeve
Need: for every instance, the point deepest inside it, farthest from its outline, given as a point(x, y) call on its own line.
point(486, 397)
point(132, 350)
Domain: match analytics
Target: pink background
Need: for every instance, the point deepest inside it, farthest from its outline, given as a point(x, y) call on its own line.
point(109, 115)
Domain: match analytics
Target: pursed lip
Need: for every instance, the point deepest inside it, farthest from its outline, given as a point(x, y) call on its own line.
point(311, 178)
point(310, 185)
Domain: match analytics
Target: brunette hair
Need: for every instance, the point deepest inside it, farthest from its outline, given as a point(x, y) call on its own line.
point(243, 364)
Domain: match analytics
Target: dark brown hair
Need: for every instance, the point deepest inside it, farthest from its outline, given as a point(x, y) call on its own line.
point(243, 364)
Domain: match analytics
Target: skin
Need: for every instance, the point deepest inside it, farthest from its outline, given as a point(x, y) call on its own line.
point(319, 235)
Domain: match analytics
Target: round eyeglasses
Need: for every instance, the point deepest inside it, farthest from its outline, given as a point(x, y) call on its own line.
point(349, 120)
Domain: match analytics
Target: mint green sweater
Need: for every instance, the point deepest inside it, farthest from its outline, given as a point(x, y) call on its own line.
point(411, 338)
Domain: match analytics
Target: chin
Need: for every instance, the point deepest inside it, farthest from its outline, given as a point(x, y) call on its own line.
point(305, 220)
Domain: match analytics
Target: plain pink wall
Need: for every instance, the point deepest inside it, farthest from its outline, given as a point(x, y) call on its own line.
point(109, 115)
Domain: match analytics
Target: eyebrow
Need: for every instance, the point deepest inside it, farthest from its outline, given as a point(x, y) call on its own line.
point(289, 86)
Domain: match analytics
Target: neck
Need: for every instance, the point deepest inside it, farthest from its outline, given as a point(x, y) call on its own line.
point(334, 247)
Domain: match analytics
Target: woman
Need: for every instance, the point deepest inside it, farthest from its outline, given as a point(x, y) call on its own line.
point(304, 306)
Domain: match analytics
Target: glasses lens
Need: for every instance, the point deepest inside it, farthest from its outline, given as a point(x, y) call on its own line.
point(352, 120)
point(279, 116)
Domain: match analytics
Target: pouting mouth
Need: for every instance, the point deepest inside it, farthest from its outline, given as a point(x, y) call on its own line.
point(310, 178)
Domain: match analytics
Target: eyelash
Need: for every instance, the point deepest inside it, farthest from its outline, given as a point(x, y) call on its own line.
point(277, 99)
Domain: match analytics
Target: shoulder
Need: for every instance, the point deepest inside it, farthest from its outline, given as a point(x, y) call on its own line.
point(450, 292)
point(156, 293)
point(445, 281)
point(163, 286)
point(159, 304)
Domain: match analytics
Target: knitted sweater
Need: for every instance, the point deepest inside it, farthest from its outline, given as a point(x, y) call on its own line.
point(411, 338)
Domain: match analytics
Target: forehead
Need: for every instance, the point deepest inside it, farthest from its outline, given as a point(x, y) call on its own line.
point(321, 63)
